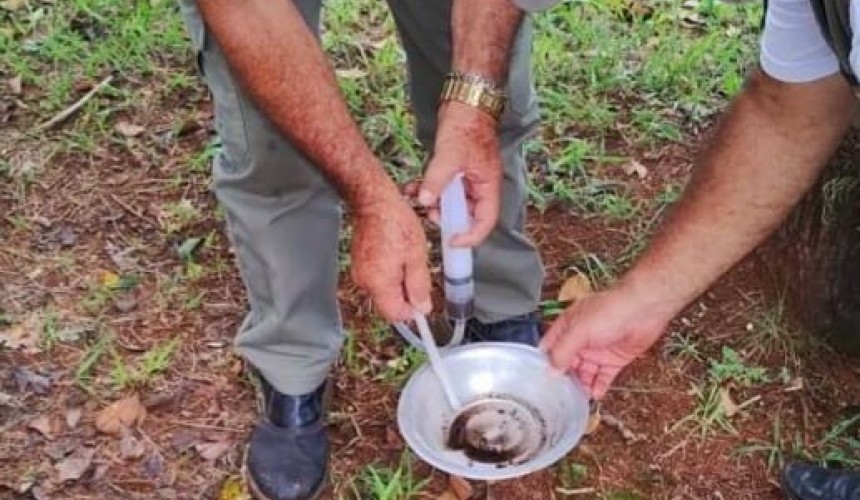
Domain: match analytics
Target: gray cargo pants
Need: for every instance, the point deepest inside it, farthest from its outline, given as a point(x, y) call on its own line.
point(283, 218)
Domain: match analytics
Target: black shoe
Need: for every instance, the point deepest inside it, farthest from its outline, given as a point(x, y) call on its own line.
point(287, 457)
point(805, 481)
point(525, 329)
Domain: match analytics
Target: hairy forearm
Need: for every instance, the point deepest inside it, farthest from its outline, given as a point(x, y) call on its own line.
point(483, 32)
point(280, 65)
point(767, 152)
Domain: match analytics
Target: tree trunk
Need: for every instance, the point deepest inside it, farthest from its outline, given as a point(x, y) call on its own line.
point(814, 259)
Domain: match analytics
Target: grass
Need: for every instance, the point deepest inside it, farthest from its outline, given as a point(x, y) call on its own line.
point(708, 417)
point(53, 47)
point(616, 80)
point(380, 482)
point(732, 368)
point(684, 347)
point(839, 446)
point(770, 331)
point(774, 451)
point(710, 414)
point(396, 371)
point(571, 474)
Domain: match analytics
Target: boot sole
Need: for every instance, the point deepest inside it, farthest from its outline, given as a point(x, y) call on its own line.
point(257, 494)
point(785, 490)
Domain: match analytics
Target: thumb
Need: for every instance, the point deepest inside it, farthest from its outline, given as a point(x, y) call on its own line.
point(437, 176)
point(563, 342)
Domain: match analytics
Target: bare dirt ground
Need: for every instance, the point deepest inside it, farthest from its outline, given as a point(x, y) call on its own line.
point(96, 217)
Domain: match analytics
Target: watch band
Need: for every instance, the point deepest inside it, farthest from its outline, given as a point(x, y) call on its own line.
point(475, 91)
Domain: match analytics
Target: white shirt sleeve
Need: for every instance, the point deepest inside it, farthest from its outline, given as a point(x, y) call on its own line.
point(792, 46)
point(854, 17)
point(535, 5)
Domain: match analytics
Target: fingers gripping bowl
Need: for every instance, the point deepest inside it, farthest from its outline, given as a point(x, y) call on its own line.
point(516, 418)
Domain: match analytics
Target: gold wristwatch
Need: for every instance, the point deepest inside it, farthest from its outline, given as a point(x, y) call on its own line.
point(475, 91)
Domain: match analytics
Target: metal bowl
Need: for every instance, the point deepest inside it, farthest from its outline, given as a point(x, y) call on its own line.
point(517, 417)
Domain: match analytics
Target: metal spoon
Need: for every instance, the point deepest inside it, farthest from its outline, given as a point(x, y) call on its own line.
point(436, 360)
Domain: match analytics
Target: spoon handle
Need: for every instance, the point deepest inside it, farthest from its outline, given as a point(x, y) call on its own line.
point(436, 360)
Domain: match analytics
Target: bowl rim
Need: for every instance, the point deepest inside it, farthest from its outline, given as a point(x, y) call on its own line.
point(565, 445)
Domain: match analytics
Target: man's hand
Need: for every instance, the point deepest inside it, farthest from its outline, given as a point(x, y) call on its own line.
point(467, 138)
point(765, 154)
point(598, 336)
point(389, 258)
point(466, 142)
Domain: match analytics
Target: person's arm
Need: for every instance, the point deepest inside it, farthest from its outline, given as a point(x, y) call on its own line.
point(278, 62)
point(483, 32)
point(467, 138)
point(765, 154)
point(280, 65)
point(771, 148)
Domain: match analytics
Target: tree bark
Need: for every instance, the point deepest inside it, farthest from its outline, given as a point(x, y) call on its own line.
point(813, 261)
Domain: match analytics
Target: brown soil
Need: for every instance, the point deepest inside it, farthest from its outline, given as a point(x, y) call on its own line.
point(104, 211)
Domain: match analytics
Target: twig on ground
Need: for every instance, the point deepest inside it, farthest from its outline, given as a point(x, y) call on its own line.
point(358, 434)
point(194, 425)
point(130, 209)
point(621, 427)
point(15, 253)
point(749, 402)
point(576, 491)
point(68, 112)
point(672, 451)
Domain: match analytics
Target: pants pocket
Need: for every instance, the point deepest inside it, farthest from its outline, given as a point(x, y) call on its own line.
point(230, 112)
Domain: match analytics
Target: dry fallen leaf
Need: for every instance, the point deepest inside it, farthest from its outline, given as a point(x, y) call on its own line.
point(593, 422)
point(16, 85)
point(152, 467)
point(129, 447)
point(8, 400)
point(75, 465)
point(460, 487)
point(44, 424)
point(21, 488)
point(125, 302)
point(129, 129)
point(183, 439)
point(109, 279)
point(212, 451)
point(20, 337)
point(795, 385)
point(232, 489)
point(123, 413)
point(100, 472)
point(729, 407)
point(27, 379)
point(351, 74)
point(73, 416)
point(61, 448)
point(13, 5)
point(576, 287)
point(635, 167)
point(447, 495)
point(41, 493)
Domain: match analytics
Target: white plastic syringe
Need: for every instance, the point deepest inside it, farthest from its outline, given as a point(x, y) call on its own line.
point(456, 261)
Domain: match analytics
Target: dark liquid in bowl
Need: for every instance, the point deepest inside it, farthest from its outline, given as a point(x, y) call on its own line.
point(490, 434)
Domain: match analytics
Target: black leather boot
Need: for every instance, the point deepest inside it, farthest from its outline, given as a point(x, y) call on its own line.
point(525, 329)
point(805, 481)
point(287, 457)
